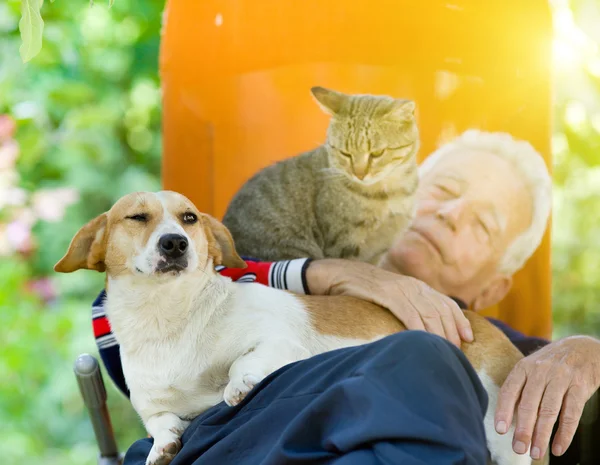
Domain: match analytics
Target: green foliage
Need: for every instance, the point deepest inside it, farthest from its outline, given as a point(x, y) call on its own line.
point(41, 414)
point(87, 111)
point(31, 27)
point(576, 150)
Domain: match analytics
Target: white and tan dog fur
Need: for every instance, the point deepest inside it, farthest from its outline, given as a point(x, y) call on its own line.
point(191, 338)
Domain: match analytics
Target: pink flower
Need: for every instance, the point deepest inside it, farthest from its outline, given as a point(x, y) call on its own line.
point(50, 204)
point(19, 236)
point(44, 288)
point(9, 152)
point(7, 127)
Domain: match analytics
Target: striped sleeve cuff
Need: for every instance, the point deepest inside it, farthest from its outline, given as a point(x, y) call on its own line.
point(290, 275)
point(102, 331)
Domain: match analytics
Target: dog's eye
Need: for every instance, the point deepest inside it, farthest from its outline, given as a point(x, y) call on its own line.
point(189, 218)
point(141, 217)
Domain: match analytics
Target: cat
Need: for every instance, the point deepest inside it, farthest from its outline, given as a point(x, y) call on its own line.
point(348, 198)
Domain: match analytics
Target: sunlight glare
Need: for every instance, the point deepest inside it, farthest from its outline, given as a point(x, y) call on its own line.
point(571, 47)
point(575, 114)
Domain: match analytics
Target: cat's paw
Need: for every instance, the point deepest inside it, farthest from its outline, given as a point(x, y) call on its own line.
point(163, 455)
point(238, 388)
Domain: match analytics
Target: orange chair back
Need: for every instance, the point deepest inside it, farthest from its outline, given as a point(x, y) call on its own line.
point(236, 77)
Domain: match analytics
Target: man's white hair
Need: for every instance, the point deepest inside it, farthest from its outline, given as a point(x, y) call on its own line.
point(532, 168)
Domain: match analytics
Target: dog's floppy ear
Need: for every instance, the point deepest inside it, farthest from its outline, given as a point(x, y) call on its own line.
point(87, 249)
point(225, 253)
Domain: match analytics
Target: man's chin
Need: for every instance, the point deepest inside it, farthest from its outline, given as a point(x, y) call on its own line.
point(411, 258)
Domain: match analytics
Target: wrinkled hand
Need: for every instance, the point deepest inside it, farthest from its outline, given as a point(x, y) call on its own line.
point(415, 304)
point(557, 379)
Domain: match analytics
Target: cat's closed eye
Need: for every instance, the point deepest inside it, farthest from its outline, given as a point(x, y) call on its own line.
point(443, 189)
point(401, 152)
point(403, 147)
point(377, 154)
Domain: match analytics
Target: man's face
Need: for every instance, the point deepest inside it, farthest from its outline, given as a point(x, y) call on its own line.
point(470, 207)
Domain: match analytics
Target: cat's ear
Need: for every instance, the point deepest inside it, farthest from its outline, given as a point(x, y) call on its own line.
point(403, 110)
point(330, 101)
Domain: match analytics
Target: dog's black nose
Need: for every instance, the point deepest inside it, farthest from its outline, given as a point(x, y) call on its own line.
point(172, 245)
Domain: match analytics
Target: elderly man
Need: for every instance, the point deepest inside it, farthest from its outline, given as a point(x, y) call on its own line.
point(483, 205)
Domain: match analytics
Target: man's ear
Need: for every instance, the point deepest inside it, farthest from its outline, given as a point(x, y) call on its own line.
point(493, 293)
point(225, 253)
point(87, 249)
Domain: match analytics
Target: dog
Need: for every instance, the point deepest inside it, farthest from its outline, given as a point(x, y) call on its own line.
point(191, 338)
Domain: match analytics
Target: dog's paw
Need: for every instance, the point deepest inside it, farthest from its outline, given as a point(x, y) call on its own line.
point(162, 455)
point(238, 388)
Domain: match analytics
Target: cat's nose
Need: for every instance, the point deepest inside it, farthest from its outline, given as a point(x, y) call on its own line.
point(360, 168)
point(361, 172)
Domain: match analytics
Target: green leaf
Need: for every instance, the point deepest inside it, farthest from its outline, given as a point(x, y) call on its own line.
point(110, 3)
point(31, 27)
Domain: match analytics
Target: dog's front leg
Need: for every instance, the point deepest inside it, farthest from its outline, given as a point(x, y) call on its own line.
point(166, 428)
point(256, 364)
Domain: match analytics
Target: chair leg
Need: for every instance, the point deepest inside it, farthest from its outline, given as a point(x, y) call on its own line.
point(91, 385)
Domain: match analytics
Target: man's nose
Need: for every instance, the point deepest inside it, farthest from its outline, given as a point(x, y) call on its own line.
point(452, 212)
point(172, 245)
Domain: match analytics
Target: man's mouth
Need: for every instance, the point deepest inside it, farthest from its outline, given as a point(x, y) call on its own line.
point(430, 240)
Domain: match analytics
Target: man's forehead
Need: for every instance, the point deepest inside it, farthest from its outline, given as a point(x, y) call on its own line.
point(453, 177)
point(470, 167)
point(489, 179)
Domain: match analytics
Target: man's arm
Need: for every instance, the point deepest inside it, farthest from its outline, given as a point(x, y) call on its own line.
point(289, 275)
point(107, 344)
point(553, 383)
point(414, 303)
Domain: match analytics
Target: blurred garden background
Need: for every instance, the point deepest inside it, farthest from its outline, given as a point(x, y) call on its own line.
point(80, 126)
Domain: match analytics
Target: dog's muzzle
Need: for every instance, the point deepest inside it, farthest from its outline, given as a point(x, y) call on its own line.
point(173, 249)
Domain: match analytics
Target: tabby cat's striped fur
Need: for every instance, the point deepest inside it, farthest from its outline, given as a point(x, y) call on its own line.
point(348, 198)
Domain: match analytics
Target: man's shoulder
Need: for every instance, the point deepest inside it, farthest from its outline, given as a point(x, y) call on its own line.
point(526, 344)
